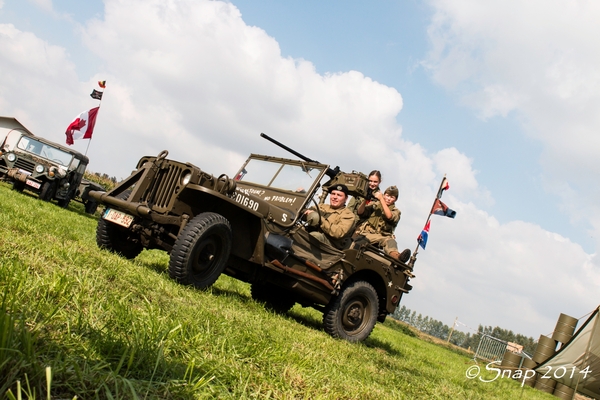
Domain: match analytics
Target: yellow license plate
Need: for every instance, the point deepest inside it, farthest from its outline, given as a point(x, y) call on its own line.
point(118, 217)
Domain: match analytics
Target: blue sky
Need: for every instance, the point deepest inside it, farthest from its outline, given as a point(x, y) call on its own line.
point(501, 97)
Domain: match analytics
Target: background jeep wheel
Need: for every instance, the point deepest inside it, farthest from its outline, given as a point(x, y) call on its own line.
point(18, 186)
point(201, 251)
point(274, 297)
point(114, 238)
point(47, 191)
point(352, 315)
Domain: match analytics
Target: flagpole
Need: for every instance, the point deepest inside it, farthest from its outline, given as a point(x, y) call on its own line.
point(413, 257)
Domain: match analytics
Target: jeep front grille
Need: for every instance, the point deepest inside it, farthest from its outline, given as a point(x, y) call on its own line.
point(162, 190)
point(25, 165)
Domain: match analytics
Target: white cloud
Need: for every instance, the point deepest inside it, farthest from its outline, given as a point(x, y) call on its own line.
point(193, 78)
point(538, 60)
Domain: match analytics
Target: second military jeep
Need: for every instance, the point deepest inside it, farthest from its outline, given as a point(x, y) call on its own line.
point(51, 171)
point(249, 226)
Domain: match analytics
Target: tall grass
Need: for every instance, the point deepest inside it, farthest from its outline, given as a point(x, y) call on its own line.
point(78, 321)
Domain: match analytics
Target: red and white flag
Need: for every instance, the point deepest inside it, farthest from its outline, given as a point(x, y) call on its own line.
point(82, 126)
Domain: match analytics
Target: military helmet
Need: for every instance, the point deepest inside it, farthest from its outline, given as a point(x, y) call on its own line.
point(392, 191)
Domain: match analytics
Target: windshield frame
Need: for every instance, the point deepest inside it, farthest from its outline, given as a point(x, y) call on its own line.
point(278, 172)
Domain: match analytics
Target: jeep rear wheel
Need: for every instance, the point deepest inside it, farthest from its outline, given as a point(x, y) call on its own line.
point(352, 315)
point(201, 251)
point(274, 297)
point(116, 239)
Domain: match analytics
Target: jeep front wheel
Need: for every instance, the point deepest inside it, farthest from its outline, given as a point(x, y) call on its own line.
point(201, 250)
point(115, 238)
point(353, 313)
point(18, 186)
point(90, 206)
point(47, 191)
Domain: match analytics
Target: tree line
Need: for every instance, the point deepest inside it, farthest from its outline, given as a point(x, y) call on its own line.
point(469, 340)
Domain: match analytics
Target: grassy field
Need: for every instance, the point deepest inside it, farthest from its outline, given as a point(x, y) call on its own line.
point(77, 321)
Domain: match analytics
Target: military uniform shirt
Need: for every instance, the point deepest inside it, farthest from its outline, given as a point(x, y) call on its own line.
point(336, 224)
point(376, 222)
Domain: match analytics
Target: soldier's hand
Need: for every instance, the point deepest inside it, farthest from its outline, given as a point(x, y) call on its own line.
point(378, 195)
point(312, 219)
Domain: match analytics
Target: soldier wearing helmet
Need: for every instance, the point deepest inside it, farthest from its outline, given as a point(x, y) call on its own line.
point(379, 222)
point(336, 223)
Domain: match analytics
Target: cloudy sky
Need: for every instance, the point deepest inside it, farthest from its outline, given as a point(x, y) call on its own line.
point(503, 97)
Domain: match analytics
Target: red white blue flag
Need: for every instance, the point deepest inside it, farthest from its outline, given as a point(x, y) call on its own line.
point(422, 239)
point(440, 208)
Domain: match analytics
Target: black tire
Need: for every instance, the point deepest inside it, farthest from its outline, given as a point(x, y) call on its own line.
point(274, 297)
point(91, 206)
point(116, 238)
point(18, 186)
point(64, 203)
point(201, 251)
point(352, 315)
point(47, 191)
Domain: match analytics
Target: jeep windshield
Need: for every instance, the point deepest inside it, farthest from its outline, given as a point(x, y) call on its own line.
point(275, 173)
point(287, 184)
point(48, 152)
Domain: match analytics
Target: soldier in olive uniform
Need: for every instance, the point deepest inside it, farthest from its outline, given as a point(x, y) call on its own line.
point(337, 222)
point(380, 221)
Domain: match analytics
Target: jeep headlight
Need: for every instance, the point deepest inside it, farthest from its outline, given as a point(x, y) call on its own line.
point(186, 177)
point(39, 168)
point(11, 157)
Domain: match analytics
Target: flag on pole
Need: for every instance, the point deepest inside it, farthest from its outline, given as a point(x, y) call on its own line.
point(102, 84)
point(440, 208)
point(422, 239)
point(82, 126)
point(444, 186)
point(96, 94)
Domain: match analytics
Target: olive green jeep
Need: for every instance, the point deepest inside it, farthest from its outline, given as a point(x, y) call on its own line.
point(51, 171)
point(249, 226)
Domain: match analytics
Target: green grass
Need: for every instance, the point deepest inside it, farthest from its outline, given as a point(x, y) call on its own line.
point(78, 321)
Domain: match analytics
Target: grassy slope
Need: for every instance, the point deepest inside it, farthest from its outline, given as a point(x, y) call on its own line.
point(109, 327)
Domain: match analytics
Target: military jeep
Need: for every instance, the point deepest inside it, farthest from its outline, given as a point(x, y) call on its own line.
point(249, 226)
point(51, 171)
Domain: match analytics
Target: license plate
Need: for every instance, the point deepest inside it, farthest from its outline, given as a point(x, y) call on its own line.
point(118, 217)
point(33, 184)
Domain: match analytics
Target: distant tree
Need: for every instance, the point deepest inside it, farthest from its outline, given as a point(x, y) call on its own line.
point(440, 330)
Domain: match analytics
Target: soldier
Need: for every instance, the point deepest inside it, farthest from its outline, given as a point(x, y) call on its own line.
point(374, 178)
point(337, 221)
point(380, 221)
